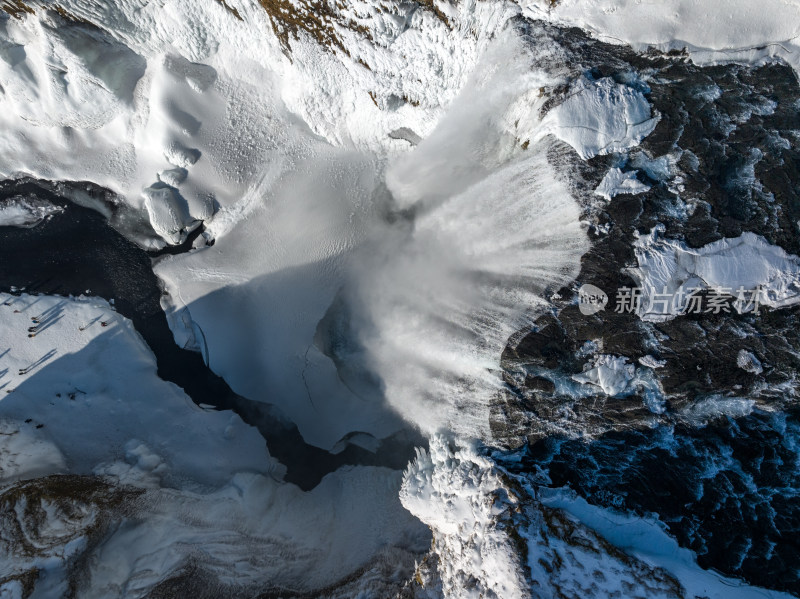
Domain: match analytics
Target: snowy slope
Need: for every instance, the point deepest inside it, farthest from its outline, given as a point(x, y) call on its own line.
point(711, 31)
point(196, 103)
point(200, 478)
point(101, 381)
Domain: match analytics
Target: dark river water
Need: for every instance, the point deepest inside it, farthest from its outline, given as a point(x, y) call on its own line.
point(76, 250)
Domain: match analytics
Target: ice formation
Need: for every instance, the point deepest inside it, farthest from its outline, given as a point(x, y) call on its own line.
point(616, 182)
point(747, 268)
point(611, 373)
point(601, 117)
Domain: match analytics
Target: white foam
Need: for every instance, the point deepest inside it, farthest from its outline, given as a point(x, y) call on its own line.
point(26, 212)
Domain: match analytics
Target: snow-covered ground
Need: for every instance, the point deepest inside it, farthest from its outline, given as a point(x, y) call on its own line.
point(711, 31)
point(747, 268)
point(208, 479)
point(77, 379)
point(184, 109)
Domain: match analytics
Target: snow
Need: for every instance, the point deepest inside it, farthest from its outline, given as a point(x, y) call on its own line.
point(383, 219)
point(23, 454)
point(711, 31)
point(480, 515)
point(455, 492)
point(601, 117)
point(207, 478)
point(748, 263)
point(493, 227)
point(169, 213)
point(701, 412)
point(81, 119)
point(661, 168)
point(611, 373)
point(102, 381)
point(652, 362)
point(194, 88)
point(648, 541)
point(263, 533)
point(749, 362)
point(616, 182)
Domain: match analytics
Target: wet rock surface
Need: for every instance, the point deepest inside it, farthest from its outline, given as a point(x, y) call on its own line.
point(727, 491)
point(722, 160)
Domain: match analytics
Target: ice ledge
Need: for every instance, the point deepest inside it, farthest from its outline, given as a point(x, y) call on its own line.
point(749, 266)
